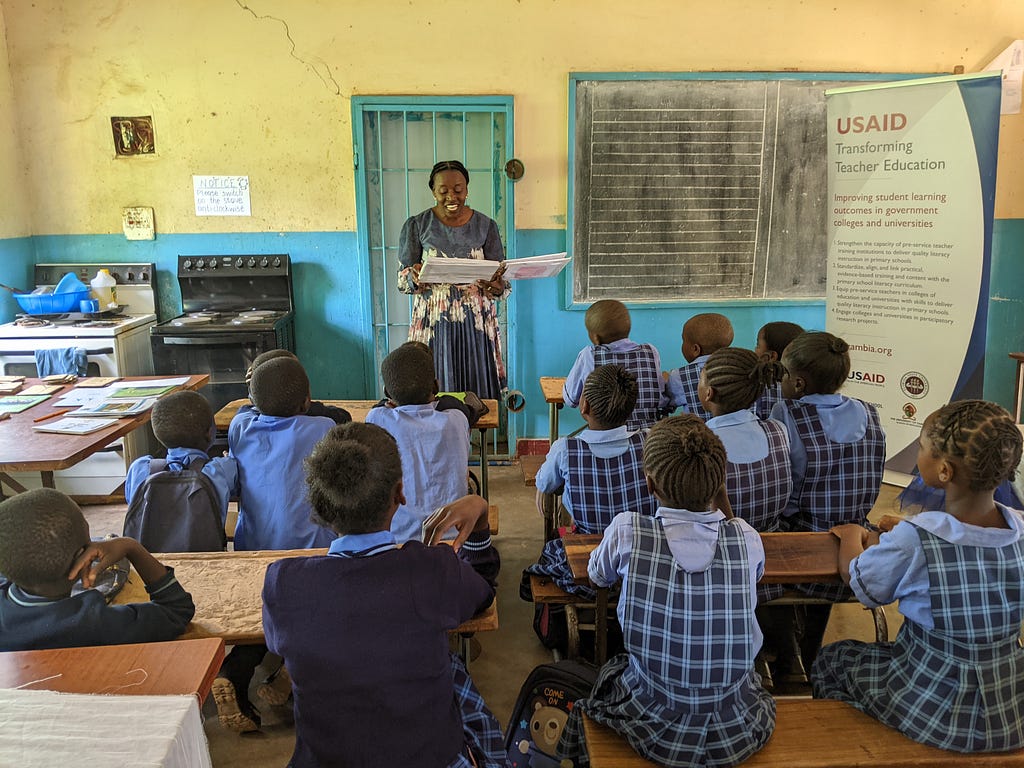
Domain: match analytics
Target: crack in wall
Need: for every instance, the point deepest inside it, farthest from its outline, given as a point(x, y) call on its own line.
point(319, 67)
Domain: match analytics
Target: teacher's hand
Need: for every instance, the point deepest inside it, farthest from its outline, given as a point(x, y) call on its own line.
point(420, 287)
point(495, 286)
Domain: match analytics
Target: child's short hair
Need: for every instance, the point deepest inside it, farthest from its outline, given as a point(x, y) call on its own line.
point(611, 392)
point(271, 354)
point(280, 387)
point(41, 533)
point(739, 377)
point(420, 345)
point(607, 320)
point(778, 335)
point(408, 375)
point(686, 461)
point(711, 330)
point(982, 436)
point(183, 420)
point(822, 358)
point(351, 474)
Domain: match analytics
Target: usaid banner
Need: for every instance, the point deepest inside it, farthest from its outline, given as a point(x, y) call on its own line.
point(911, 190)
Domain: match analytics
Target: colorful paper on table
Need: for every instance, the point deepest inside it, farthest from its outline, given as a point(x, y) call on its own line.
point(120, 408)
point(70, 426)
point(137, 392)
point(19, 403)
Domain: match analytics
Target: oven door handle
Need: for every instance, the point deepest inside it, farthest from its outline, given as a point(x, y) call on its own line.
point(209, 341)
point(31, 353)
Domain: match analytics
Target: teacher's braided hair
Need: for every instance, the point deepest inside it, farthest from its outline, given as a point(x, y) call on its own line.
point(739, 377)
point(351, 477)
point(686, 461)
point(611, 391)
point(982, 435)
point(447, 165)
point(822, 358)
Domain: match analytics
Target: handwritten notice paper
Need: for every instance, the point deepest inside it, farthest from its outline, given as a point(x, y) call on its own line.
point(222, 195)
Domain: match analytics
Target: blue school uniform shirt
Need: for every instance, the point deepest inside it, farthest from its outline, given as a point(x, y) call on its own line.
point(692, 539)
point(273, 512)
point(222, 471)
point(554, 472)
point(744, 440)
point(684, 394)
point(434, 446)
point(584, 366)
point(896, 568)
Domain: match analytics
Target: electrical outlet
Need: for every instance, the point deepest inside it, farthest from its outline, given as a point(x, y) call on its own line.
point(138, 223)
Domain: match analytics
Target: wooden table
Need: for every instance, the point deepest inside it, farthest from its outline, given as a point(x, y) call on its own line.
point(168, 668)
point(227, 590)
point(359, 408)
point(23, 449)
point(551, 388)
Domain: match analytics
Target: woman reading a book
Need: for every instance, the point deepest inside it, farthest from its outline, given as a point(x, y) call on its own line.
point(458, 322)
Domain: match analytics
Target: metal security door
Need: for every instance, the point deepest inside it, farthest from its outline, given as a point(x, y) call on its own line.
point(397, 141)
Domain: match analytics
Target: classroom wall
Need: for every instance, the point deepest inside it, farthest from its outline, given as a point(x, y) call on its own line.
point(263, 87)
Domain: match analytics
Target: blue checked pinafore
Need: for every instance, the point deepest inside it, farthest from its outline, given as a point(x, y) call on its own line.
point(759, 491)
point(642, 362)
point(764, 404)
point(959, 686)
point(598, 489)
point(686, 693)
point(689, 378)
point(841, 483)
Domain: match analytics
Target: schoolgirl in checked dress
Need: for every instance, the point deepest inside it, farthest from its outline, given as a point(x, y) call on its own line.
point(954, 677)
point(688, 578)
point(772, 340)
point(600, 472)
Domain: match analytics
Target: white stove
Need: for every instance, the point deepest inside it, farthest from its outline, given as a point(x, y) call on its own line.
point(116, 344)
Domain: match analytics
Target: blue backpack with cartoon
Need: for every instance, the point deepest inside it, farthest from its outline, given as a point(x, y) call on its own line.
point(541, 711)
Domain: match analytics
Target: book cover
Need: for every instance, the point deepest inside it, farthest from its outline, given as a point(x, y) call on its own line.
point(119, 407)
point(98, 381)
point(19, 403)
point(72, 426)
point(42, 389)
point(136, 392)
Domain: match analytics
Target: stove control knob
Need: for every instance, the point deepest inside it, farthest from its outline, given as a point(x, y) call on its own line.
point(200, 263)
point(186, 264)
point(212, 264)
point(144, 277)
point(264, 262)
point(116, 275)
point(239, 263)
point(131, 276)
point(251, 262)
point(277, 261)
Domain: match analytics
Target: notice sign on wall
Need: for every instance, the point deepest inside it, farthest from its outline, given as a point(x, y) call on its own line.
point(911, 196)
point(222, 195)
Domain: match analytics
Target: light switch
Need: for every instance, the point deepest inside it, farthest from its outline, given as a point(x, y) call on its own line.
point(138, 223)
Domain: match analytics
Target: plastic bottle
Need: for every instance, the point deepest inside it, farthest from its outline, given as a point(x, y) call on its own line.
point(104, 288)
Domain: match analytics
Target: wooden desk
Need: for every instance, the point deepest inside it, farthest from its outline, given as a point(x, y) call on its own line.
point(551, 388)
point(227, 590)
point(359, 409)
point(176, 668)
point(23, 449)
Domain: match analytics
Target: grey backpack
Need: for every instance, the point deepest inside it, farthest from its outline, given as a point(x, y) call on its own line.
point(176, 511)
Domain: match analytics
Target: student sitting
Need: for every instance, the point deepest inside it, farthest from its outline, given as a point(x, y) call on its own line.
point(702, 334)
point(772, 340)
point(608, 325)
point(364, 629)
point(44, 548)
point(434, 444)
point(179, 504)
point(316, 408)
point(685, 693)
point(270, 440)
point(599, 472)
point(954, 676)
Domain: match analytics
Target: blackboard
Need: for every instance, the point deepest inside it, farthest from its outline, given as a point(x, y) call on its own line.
point(709, 188)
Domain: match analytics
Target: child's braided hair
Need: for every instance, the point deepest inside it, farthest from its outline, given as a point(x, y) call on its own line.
point(982, 435)
point(824, 359)
point(739, 377)
point(686, 461)
point(611, 391)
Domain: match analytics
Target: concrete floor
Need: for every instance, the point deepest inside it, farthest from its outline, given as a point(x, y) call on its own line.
point(507, 655)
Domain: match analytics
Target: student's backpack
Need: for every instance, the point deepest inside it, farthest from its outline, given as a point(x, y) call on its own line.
point(176, 511)
point(542, 708)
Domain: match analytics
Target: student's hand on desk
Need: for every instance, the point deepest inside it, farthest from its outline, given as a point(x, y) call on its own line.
point(97, 556)
point(466, 515)
point(853, 533)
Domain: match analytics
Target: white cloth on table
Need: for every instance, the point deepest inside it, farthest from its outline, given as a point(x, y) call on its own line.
point(42, 729)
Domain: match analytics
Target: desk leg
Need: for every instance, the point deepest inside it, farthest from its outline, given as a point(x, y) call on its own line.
point(465, 647)
point(1020, 391)
point(553, 422)
point(550, 516)
point(601, 627)
point(11, 483)
point(47, 478)
point(483, 464)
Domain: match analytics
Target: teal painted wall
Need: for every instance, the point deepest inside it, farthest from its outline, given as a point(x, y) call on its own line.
point(333, 330)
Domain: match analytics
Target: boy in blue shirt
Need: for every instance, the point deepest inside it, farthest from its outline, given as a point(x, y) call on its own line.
point(702, 334)
point(44, 548)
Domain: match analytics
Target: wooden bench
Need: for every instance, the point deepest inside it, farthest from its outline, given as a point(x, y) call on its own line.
point(545, 591)
point(815, 733)
point(530, 465)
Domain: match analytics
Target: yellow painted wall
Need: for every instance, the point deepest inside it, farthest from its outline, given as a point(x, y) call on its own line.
point(262, 87)
point(14, 219)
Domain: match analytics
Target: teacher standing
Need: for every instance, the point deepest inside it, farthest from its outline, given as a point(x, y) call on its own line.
point(458, 322)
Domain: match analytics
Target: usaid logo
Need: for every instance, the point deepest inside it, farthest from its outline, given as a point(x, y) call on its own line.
point(914, 385)
point(867, 377)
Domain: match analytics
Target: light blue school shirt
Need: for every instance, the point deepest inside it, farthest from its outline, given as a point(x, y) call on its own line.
point(693, 540)
point(572, 390)
point(273, 511)
point(434, 446)
point(554, 472)
point(896, 567)
point(844, 420)
point(222, 471)
point(677, 396)
point(741, 434)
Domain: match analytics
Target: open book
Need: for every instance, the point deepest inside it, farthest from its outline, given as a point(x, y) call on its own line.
point(463, 271)
point(116, 408)
point(69, 426)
